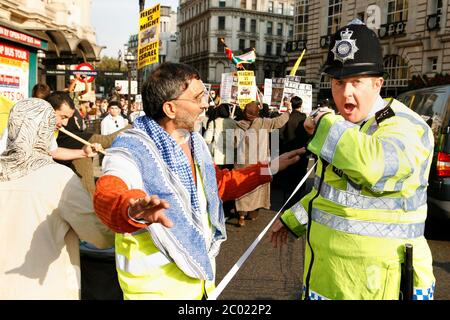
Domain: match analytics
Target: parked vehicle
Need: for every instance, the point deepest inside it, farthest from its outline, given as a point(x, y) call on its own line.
point(433, 104)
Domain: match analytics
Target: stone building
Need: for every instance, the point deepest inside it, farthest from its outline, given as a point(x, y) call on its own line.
point(415, 36)
point(260, 24)
point(65, 25)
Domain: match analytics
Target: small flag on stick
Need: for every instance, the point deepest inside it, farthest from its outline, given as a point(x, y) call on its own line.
point(248, 57)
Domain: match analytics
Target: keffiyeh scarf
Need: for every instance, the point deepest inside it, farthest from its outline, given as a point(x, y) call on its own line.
point(166, 172)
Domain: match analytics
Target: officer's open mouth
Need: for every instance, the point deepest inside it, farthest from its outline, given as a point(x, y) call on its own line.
point(349, 107)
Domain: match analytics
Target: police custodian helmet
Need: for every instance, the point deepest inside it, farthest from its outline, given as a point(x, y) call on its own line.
point(354, 50)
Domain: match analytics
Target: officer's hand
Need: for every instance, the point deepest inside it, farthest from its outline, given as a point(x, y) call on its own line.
point(285, 160)
point(309, 125)
point(151, 209)
point(278, 234)
point(311, 121)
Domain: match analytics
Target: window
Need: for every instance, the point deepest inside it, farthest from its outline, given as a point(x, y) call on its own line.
point(334, 15)
point(301, 20)
point(253, 44)
point(241, 44)
point(432, 64)
point(291, 31)
point(222, 4)
point(269, 27)
point(278, 49)
point(221, 25)
point(360, 16)
point(397, 69)
point(243, 4)
point(280, 8)
point(242, 24)
point(268, 48)
point(397, 10)
point(291, 10)
point(254, 5)
point(253, 25)
point(280, 29)
point(270, 6)
point(220, 46)
point(438, 6)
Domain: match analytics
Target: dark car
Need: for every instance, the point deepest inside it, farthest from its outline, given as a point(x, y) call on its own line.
point(433, 104)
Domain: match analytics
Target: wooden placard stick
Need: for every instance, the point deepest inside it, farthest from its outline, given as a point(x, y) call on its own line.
point(70, 134)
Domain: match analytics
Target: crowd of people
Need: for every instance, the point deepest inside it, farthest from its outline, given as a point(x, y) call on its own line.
point(158, 207)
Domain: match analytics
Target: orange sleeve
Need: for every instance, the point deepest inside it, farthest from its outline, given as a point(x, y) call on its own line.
point(111, 204)
point(233, 184)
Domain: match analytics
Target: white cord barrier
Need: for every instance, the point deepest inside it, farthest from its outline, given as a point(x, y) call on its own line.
point(218, 290)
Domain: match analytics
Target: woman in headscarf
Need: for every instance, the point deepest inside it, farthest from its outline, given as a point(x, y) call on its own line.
point(45, 210)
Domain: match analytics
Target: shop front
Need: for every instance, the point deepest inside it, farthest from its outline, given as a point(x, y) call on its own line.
point(18, 62)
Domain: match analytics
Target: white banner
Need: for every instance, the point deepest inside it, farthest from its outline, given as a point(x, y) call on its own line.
point(14, 72)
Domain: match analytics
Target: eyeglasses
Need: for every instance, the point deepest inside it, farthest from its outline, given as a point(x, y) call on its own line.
point(202, 99)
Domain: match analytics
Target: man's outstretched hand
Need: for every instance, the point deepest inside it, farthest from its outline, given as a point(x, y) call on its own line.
point(151, 209)
point(285, 160)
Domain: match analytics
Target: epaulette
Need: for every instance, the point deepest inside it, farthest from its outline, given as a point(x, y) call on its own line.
point(385, 113)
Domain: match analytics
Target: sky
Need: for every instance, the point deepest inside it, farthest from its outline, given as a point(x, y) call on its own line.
point(115, 20)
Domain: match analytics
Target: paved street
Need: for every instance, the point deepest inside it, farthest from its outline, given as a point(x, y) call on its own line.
point(273, 274)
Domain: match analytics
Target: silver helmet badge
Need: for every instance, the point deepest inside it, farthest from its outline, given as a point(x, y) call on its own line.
point(346, 48)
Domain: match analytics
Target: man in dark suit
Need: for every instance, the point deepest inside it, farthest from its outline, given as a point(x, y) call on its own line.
point(293, 136)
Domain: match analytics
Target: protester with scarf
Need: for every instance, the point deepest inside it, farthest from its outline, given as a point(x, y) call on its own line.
point(44, 211)
point(162, 193)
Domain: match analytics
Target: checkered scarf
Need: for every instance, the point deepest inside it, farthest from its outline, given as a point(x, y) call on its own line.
point(166, 172)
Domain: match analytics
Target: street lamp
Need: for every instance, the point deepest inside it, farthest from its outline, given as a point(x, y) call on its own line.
point(129, 59)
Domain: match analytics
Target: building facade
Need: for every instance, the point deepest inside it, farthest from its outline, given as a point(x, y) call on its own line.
point(415, 37)
point(64, 24)
point(263, 25)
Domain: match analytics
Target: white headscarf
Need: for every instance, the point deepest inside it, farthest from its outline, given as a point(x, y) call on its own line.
point(31, 125)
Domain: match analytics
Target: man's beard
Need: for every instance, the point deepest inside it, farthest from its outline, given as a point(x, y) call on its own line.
point(189, 122)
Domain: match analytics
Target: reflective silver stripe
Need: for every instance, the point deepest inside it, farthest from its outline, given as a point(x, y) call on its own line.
point(425, 138)
point(334, 134)
point(366, 228)
point(143, 265)
point(300, 213)
point(358, 201)
point(373, 127)
point(426, 142)
point(391, 164)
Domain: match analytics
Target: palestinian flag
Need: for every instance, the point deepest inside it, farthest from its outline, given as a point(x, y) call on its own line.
point(248, 57)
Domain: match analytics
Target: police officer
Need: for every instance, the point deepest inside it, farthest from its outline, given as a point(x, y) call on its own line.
point(370, 189)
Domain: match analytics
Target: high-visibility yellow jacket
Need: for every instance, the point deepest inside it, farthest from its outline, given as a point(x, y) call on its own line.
point(368, 201)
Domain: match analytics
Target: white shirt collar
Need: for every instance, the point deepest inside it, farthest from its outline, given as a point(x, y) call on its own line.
point(377, 106)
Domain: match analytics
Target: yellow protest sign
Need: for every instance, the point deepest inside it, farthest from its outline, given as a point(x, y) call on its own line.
point(148, 36)
point(246, 87)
